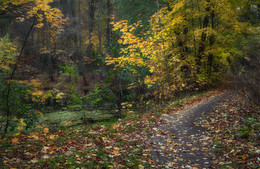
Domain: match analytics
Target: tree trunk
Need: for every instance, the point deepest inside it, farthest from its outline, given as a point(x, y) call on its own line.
point(158, 4)
point(202, 44)
point(108, 31)
point(211, 42)
point(100, 36)
point(92, 10)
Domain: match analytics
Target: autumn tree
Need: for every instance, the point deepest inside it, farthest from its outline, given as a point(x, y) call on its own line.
point(40, 13)
point(188, 47)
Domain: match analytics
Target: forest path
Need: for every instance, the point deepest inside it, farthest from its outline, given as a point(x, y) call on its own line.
point(181, 141)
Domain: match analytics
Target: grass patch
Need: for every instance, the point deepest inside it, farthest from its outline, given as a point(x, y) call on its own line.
point(72, 118)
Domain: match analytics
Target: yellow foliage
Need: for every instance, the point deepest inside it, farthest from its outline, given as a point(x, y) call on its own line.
point(22, 122)
point(37, 93)
point(35, 83)
point(170, 53)
point(34, 8)
point(20, 127)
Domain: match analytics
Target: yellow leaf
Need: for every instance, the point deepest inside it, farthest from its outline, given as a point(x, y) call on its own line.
point(229, 141)
point(40, 25)
point(17, 134)
point(244, 157)
point(140, 166)
point(46, 130)
point(52, 137)
point(20, 127)
point(222, 163)
point(22, 122)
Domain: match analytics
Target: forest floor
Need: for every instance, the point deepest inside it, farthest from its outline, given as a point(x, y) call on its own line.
point(218, 129)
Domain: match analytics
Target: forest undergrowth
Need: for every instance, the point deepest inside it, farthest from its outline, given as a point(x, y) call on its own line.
point(233, 128)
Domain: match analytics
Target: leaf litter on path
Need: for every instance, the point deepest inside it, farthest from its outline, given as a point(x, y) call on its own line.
point(185, 144)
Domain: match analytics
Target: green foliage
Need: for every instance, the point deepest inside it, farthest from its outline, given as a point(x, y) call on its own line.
point(136, 10)
point(245, 132)
point(93, 98)
point(250, 126)
point(22, 115)
point(68, 81)
point(17, 113)
point(70, 70)
point(99, 97)
point(8, 53)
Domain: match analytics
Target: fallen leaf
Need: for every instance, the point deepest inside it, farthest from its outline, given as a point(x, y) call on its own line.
point(244, 156)
point(222, 163)
point(42, 139)
point(46, 130)
point(115, 153)
point(229, 141)
point(45, 149)
point(14, 140)
point(52, 137)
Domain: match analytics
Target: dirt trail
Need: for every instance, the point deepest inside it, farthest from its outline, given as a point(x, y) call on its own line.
point(181, 142)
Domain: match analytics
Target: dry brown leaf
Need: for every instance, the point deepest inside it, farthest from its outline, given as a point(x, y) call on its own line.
point(15, 140)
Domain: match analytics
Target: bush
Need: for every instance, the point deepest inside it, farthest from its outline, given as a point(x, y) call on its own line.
point(16, 111)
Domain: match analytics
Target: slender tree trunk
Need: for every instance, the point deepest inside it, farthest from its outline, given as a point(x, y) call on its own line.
point(193, 27)
point(16, 65)
point(79, 25)
point(100, 26)
point(100, 35)
point(108, 31)
point(258, 10)
point(202, 44)
point(158, 4)
point(211, 42)
point(92, 10)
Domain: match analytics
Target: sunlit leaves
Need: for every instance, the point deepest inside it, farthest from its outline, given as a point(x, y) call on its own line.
point(178, 47)
point(41, 10)
point(8, 52)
